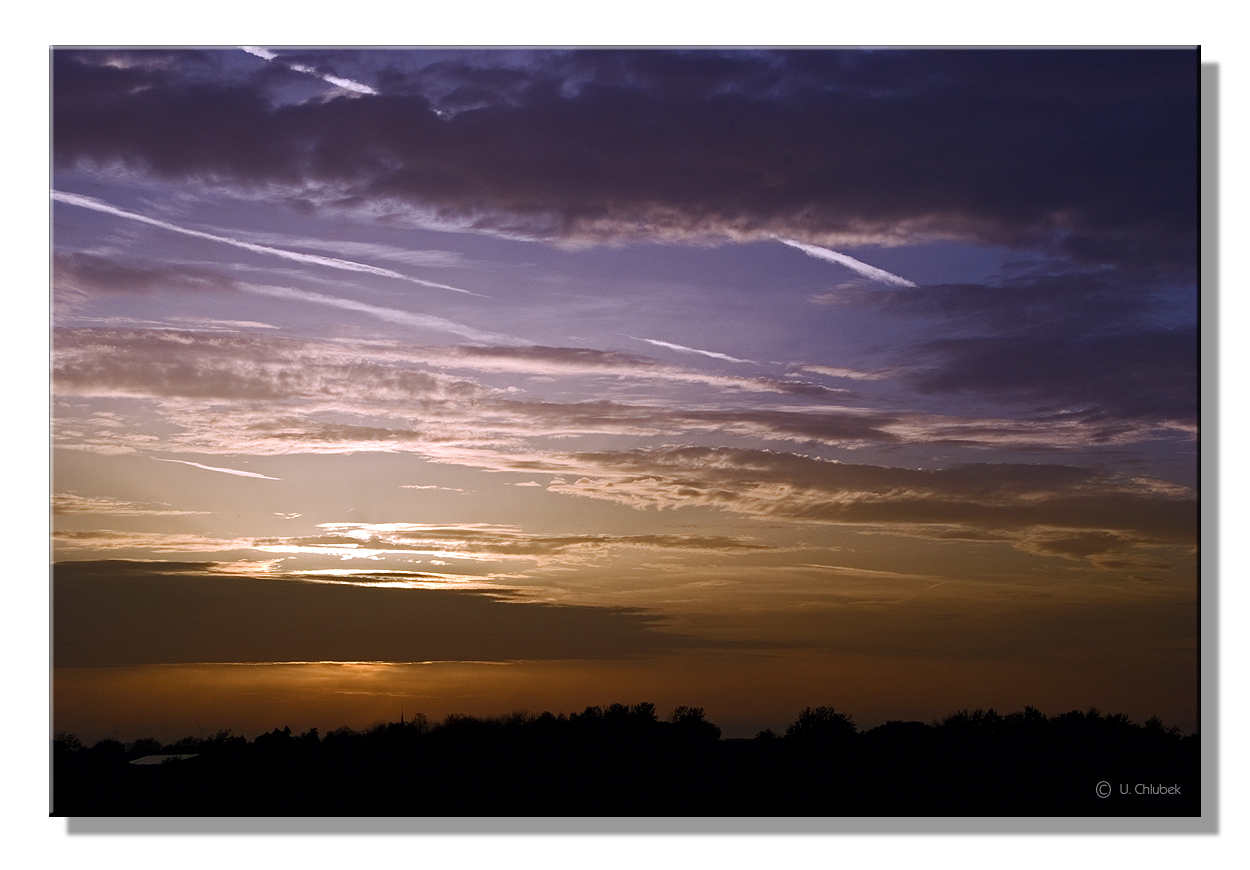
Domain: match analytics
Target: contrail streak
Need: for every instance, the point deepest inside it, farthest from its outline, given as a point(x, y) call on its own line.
point(222, 470)
point(850, 262)
point(347, 84)
point(392, 315)
point(313, 259)
point(684, 349)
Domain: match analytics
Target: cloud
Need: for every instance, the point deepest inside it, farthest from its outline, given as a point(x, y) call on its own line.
point(1089, 153)
point(308, 259)
point(99, 540)
point(989, 501)
point(129, 613)
point(390, 315)
point(233, 471)
point(258, 51)
point(1008, 502)
point(345, 84)
point(1120, 380)
point(72, 503)
point(435, 259)
point(472, 542)
point(92, 273)
point(871, 272)
point(369, 375)
point(240, 368)
point(852, 374)
point(1046, 510)
point(683, 349)
point(486, 542)
point(216, 325)
point(572, 361)
point(1115, 351)
point(285, 396)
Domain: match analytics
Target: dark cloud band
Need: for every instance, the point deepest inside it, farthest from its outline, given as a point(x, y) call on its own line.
point(1093, 151)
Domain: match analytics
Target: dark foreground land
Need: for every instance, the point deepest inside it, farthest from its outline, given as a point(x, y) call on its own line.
point(623, 761)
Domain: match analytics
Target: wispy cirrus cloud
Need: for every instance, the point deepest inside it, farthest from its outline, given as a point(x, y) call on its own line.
point(243, 368)
point(296, 256)
point(72, 503)
point(489, 542)
point(90, 273)
point(291, 396)
point(390, 315)
point(1040, 509)
point(1043, 509)
point(574, 361)
point(851, 374)
point(465, 542)
point(94, 540)
point(429, 258)
point(91, 361)
point(214, 324)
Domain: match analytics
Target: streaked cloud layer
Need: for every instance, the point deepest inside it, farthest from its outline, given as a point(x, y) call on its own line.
point(310, 259)
point(828, 133)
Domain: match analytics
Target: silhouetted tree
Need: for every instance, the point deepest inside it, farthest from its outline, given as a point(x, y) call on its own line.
point(145, 746)
point(899, 740)
point(821, 730)
point(107, 751)
point(644, 711)
point(66, 742)
point(1155, 726)
point(692, 727)
point(620, 759)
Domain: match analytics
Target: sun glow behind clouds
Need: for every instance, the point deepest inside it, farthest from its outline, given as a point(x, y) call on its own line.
point(407, 580)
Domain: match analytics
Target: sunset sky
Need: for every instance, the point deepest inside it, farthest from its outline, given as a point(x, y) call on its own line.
point(481, 380)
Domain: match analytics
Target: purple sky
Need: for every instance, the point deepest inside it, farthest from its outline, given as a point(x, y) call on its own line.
point(741, 379)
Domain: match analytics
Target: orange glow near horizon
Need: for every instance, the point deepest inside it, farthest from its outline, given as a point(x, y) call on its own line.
point(742, 693)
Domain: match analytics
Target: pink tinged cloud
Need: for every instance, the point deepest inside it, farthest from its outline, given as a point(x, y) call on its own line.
point(72, 503)
point(311, 259)
point(838, 372)
point(872, 272)
point(234, 471)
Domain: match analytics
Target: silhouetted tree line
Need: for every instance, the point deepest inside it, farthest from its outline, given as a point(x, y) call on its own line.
point(625, 760)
